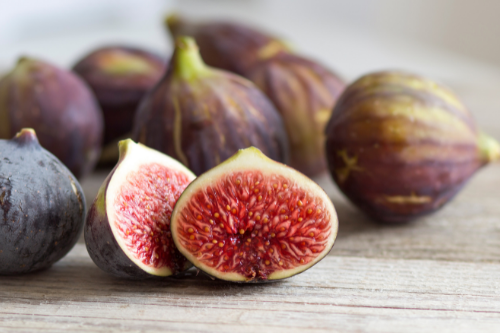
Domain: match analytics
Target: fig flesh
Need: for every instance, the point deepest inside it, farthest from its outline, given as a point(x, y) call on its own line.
point(251, 219)
point(127, 230)
point(303, 91)
point(400, 146)
point(42, 206)
point(202, 116)
point(120, 76)
point(59, 106)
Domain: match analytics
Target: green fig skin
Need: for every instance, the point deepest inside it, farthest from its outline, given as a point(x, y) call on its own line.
point(400, 146)
point(120, 76)
point(202, 116)
point(59, 106)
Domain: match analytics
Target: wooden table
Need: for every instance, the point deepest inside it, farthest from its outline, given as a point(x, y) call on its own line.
point(441, 272)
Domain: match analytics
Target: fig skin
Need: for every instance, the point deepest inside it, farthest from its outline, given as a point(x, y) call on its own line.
point(202, 116)
point(100, 241)
point(59, 106)
point(302, 90)
point(42, 206)
point(226, 45)
point(400, 146)
point(120, 76)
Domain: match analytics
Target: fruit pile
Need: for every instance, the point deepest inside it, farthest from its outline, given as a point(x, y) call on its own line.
point(208, 182)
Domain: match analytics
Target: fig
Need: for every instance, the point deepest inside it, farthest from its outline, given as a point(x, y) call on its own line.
point(59, 106)
point(42, 206)
point(252, 219)
point(226, 45)
point(400, 146)
point(202, 116)
point(127, 230)
point(120, 76)
point(302, 90)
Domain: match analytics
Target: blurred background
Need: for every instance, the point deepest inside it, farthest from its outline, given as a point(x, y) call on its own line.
point(453, 41)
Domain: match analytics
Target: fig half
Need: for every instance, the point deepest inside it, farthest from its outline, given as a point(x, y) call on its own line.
point(202, 116)
point(42, 206)
point(127, 231)
point(252, 219)
point(401, 146)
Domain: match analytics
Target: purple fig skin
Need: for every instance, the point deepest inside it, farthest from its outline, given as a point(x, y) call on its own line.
point(304, 92)
point(102, 245)
point(400, 146)
point(42, 206)
point(226, 45)
point(202, 116)
point(120, 76)
point(59, 106)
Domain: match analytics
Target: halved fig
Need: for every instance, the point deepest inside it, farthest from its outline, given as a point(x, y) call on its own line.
point(127, 231)
point(252, 219)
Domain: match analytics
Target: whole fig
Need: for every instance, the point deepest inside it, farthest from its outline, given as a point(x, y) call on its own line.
point(226, 45)
point(303, 91)
point(42, 206)
point(202, 116)
point(59, 106)
point(120, 76)
point(400, 146)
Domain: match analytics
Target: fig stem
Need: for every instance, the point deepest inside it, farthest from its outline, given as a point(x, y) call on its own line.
point(26, 135)
point(489, 148)
point(187, 62)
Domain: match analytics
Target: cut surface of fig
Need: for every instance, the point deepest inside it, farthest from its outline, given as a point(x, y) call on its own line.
point(253, 219)
point(136, 202)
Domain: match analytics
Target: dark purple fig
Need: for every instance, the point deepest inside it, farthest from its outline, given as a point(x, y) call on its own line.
point(303, 91)
point(59, 106)
point(120, 76)
point(42, 206)
point(226, 45)
point(202, 116)
point(401, 146)
point(127, 231)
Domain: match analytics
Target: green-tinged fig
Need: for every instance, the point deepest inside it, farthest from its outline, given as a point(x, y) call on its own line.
point(59, 106)
point(202, 116)
point(303, 91)
point(42, 206)
point(127, 231)
point(251, 219)
point(401, 146)
point(119, 76)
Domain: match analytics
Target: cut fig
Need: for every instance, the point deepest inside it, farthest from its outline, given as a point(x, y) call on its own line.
point(252, 219)
point(127, 231)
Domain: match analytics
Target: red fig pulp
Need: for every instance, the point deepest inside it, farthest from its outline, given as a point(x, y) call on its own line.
point(128, 227)
point(252, 219)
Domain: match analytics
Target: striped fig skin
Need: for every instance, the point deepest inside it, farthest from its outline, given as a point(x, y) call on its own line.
point(226, 45)
point(400, 146)
point(204, 119)
point(304, 92)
